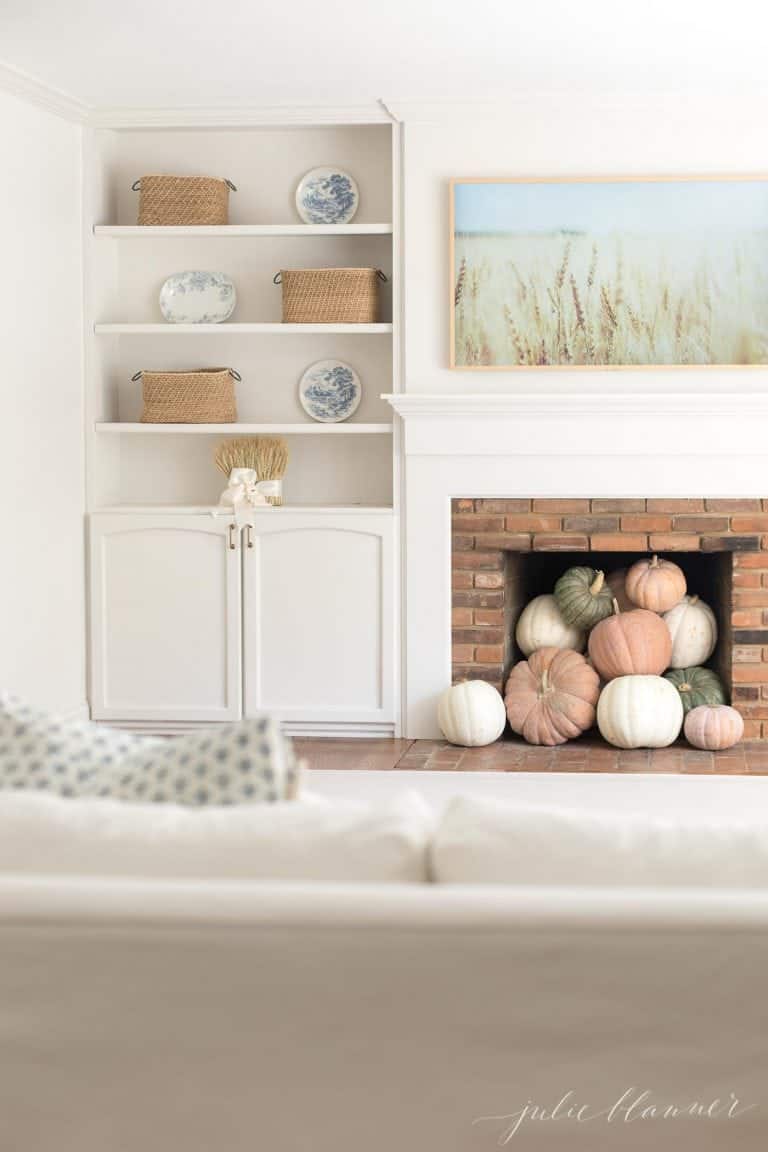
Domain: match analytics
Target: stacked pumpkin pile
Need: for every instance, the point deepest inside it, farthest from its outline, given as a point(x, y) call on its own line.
point(643, 678)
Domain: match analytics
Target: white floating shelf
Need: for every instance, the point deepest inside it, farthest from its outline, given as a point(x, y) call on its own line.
point(220, 510)
point(130, 231)
point(237, 429)
point(241, 329)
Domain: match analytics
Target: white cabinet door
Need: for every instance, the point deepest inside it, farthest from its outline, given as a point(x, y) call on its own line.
point(165, 617)
point(318, 629)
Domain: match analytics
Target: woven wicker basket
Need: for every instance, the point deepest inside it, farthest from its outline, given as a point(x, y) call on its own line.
point(330, 295)
point(203, 397)
point(183, 200)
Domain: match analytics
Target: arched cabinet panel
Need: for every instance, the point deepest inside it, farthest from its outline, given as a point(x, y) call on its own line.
point(165, 618)
point(318, 617)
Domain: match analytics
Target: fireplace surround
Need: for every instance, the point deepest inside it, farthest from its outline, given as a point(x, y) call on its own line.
point(674, 438)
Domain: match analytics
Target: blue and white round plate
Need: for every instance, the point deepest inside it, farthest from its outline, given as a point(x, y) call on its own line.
point(327, 196)
point(330, 391)
point(198, 298)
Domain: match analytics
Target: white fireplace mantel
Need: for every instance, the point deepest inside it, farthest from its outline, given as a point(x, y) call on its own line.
point(677, 443)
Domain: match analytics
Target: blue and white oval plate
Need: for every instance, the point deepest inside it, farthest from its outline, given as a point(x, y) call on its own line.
point(198, 298)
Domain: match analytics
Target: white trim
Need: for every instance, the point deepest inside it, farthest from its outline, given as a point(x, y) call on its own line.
point(26, 87)
point(735, 405)
point(338, 729)
point(268, 116)
point(531, 101)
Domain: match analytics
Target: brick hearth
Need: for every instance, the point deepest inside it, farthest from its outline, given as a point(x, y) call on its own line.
point(487, 534)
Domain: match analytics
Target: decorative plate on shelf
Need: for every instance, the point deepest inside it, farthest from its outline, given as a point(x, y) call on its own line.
point(197, 298)
point(327, 196)
point(330, 391)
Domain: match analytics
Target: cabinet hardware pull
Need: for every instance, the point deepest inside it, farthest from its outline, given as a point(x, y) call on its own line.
point(233, 536)
point(249, 535)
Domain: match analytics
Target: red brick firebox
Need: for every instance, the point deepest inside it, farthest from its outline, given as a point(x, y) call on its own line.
point(490, 537)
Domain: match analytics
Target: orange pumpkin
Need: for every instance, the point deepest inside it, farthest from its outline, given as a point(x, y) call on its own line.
point(630, 644)
point(551, 696)
point(655, 584)
point(713, 727)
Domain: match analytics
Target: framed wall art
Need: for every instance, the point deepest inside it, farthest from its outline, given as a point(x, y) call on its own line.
point(609, 273)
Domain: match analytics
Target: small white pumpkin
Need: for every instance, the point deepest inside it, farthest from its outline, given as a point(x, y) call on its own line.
point(542, 626)
point(471, 714)
point(693, 628)
point(640, 712)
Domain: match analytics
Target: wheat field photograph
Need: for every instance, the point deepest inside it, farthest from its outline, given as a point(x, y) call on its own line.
point(609, 273)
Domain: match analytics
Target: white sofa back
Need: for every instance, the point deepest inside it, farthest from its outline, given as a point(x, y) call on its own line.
point(233, 1016)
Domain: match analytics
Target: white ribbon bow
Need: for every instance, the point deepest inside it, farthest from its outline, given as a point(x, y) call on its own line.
point(242, 495)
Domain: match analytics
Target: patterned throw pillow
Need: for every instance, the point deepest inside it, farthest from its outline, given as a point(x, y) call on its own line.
point(247, 763)
point(41, 751)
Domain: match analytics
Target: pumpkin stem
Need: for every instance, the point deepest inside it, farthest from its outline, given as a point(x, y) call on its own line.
point(616, 609)
point(654, 562)
point(694, 600)
point(683, 687)
point(597, 583)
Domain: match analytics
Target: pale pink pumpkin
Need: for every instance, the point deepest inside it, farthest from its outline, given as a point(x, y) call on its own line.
point(713, 727)
point(551, 696)
point(655, 584)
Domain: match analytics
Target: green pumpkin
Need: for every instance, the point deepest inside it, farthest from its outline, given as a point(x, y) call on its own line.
point(583, 597)
point(697, 686)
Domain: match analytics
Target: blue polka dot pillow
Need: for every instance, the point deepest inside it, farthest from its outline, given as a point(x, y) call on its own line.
point(41, 751)
point(246, 763)
point(250, 762)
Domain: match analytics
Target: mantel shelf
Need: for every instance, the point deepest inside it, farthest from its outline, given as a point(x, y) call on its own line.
point(150, 232)
point(226, 329)
point(237, 429)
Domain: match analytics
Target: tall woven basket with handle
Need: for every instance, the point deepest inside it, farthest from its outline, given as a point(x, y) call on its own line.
point(183, 200)
point(206, 396)
point(330, 295)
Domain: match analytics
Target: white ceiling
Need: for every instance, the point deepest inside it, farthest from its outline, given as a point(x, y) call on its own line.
point(157, 53)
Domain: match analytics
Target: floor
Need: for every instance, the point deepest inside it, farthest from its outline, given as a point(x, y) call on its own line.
point(590, 754)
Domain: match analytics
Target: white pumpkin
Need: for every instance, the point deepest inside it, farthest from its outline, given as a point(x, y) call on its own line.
point(471, 714)
point(640, 712)
point(541, 626)
point(693, 628)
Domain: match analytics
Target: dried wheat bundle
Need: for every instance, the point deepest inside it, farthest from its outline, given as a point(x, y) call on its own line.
point(271, 462)
point(239, 453)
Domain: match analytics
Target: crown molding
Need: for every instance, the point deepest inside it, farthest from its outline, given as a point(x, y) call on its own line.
point(278, 115)
point(26, 87)
point(533, 102)
point(720, 406)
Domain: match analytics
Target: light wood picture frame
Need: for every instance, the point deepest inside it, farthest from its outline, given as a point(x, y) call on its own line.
point(609, 272)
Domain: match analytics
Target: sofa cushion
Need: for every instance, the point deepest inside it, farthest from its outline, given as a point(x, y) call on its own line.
point(489, 842)
point(309, 840)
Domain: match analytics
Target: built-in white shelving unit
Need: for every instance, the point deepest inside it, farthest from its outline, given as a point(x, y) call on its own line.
point(342, 464)
point(195, 618)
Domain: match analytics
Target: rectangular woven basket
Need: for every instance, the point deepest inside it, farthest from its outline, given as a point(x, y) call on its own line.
point(206, 396)
point(330, 295)
point(183, 200)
